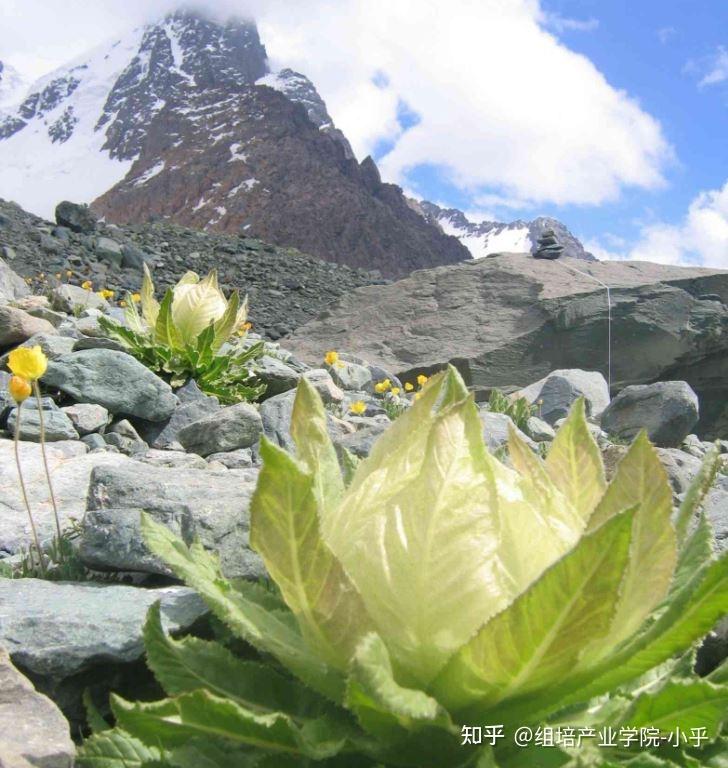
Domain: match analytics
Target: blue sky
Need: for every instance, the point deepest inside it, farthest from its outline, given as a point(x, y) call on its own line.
point(658, 52)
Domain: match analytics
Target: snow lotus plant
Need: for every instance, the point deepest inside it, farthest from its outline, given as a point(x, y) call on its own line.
point(432, 588)
point(183, 336)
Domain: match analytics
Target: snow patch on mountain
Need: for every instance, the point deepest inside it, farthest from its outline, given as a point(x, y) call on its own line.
point(499, 239)
point(12, 85)
point(483, 238)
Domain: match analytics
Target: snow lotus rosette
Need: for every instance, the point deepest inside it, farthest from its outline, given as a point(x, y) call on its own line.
point(431, 587)
point(188, 309)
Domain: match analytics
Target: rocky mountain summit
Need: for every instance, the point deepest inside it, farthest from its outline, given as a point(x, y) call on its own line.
point(510, 319)
point(184, 120)
point(11, 85)
point(483, 238)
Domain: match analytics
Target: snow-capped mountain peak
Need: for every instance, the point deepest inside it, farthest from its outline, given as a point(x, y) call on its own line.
point(483, 238)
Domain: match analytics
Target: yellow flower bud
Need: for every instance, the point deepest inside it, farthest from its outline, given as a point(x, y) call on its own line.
point(28, 362)
point(358, 408)
point(331, 358)
point(87, 285)
point(19, 389)
point(408, 387)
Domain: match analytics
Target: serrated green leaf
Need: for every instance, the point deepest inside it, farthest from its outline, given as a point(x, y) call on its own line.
point(186, 665)
point(698, 490)
point(94, 719)
point(542, 493)
point(412, 725)
point(681, 704)
point(696, 554)
point(686, 616)
point(165, 332)
point(540, 638)
point(574, 463)
point(225, 325)
point(116, 749)
point(713, 755)
point(284, 530)
point(719, 676)
point(273, 632)
point(314, 447)
point(207, 753)
point(132, 317)
point(640, 481)
point(150, 306)
point(172, 723)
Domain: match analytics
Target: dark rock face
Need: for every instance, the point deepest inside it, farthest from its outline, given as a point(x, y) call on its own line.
point(272, 173)
point(510, 320)
point(77, 218)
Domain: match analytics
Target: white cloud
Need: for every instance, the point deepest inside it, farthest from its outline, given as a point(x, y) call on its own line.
point(717, 69)
point(665, 34)
point(700, 238)
point(564, 24)
point(505, 108)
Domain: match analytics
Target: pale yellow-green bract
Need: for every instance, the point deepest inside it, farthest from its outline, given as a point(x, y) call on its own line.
point(430, 587)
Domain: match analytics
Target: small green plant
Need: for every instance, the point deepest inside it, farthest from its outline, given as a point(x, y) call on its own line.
point(439, 590)
point(519, 409)
point(194, 333)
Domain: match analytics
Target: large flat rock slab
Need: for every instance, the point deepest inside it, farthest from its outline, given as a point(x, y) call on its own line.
point(509, 320)
point(70, 468)
point(33, 732)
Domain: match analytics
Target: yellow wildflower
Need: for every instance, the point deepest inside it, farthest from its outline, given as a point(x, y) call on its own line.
point(122, 303)
point(358, 408)
point(136, 297)
point(28, 362)
point(69, 273)
point(422, 379)
point(395, 391)
point(331, 358)
point(19, 389)
point(87, 285)
point(408, 387)
point(418, 395)
point(105, 293)
point(247, 326)
point(383, 386)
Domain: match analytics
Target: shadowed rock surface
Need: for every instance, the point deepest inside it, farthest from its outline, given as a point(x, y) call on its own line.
point(509, 320)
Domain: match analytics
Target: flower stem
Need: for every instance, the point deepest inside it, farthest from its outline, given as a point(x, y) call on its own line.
point(45, 458)
point(24, 492)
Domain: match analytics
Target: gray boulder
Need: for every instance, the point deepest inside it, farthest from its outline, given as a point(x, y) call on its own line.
point(17, 326)
point(539, 430)
point(72, 298)
point(322, 382)
point(194, 503)
point(12, 285)
point(351, 376)
point(276, 375)
point(561, 388)
point(57, 425)
point(87, 417)
point(33, 732)
point(361, 442)
point(668, 410)
point(70, 636)
point(166, 434)
point(114, 380)
point(52, 345)
point(495, 430)
point(79, 218)
point(109, 250)
point(70, 467)
point(237, 426)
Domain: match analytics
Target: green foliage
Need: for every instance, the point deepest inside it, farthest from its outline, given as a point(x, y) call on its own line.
point(194, 333)
point(438, 588)
point(60, 559)
point(519, 409)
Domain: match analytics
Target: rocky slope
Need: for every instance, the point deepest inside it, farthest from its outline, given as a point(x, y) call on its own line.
point(508, 320)
point(483, 238)
point(285, 287)
point(183, 120)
